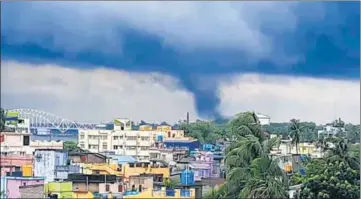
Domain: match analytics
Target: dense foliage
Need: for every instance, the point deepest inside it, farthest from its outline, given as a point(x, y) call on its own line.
point(335, 179)
point(2, 119)
point(336, 175)
point(252, 173)
point(70, 146)
point(210, 131)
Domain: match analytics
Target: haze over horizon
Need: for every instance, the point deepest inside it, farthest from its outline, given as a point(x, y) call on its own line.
point(155, 61)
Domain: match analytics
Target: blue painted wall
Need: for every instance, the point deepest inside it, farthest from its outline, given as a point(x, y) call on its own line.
point(191, 145)
point(45, 162)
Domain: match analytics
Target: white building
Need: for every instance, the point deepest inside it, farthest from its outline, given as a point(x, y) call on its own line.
point(263, 119)
point(329, 130)
point(134, 143)
point(16, 139)
point(124, 141)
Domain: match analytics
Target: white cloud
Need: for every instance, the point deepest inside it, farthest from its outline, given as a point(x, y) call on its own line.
point(103, 94)
point(284, 98)
point(75, 26)
point(94, 95)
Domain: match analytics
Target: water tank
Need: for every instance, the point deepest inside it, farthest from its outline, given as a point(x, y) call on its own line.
point(303, 171)
point(27, 170)
point(159, 138)
point(187, 177)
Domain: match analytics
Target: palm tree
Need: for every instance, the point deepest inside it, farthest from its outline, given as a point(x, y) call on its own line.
point(295, 131)
point(342, 153)
point(2, 119)
point(246, 124)
point(240, 156)
point(267, 180)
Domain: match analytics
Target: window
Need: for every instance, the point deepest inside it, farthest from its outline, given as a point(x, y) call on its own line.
point(105, 146)
point(143, 138)
point(131, 138)
point(82, 137)
point(115, 147)
point(26, 140)
point(120, 188)
point(82, 146)
point(57, 160)
point(107, 187)
point(115, 138)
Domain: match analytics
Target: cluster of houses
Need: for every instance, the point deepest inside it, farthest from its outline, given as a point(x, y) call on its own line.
point(55, 173)
point(118, 162)
point(112, 163)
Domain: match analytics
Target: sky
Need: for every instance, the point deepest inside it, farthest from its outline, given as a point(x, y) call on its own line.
point(155, 61)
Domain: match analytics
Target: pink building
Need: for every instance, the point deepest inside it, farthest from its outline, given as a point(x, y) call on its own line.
point(14, 142)
point(14, 162)
point(10, 185)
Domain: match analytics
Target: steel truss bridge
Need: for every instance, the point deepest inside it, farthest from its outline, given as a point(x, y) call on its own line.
point(41, 119)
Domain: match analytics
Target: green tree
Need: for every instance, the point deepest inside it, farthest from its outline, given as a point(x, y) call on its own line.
point(248, 158)
point(335, 179)
point(70, 146)
point(341, 152)
point(336, 175)
point(295, 132)
point(266, 180)
point(2, 119)
point(204, 131)
point(353, 133)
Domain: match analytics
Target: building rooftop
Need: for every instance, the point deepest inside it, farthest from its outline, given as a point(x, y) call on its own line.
point(23, 178)
point(123, 158)
point(199, 166)
point(179, 140)
point(259, 115)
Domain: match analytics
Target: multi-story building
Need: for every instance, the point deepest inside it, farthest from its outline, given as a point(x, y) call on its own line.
point(124, 141)
point(330, 130)
point(14, 162)
point(15, 143)
point(53, 164)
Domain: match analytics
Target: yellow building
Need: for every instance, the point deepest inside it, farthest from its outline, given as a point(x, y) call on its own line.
point(147, 168)
point(150, 193)
point(306, 148)
point(102, 169)
point(65, 190)
point(145, 128)
point(126, 170)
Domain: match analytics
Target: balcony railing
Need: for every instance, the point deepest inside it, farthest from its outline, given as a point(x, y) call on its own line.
point(93, 178)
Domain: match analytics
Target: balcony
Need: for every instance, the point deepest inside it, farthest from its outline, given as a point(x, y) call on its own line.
point(81, 178)
point(131, 143)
